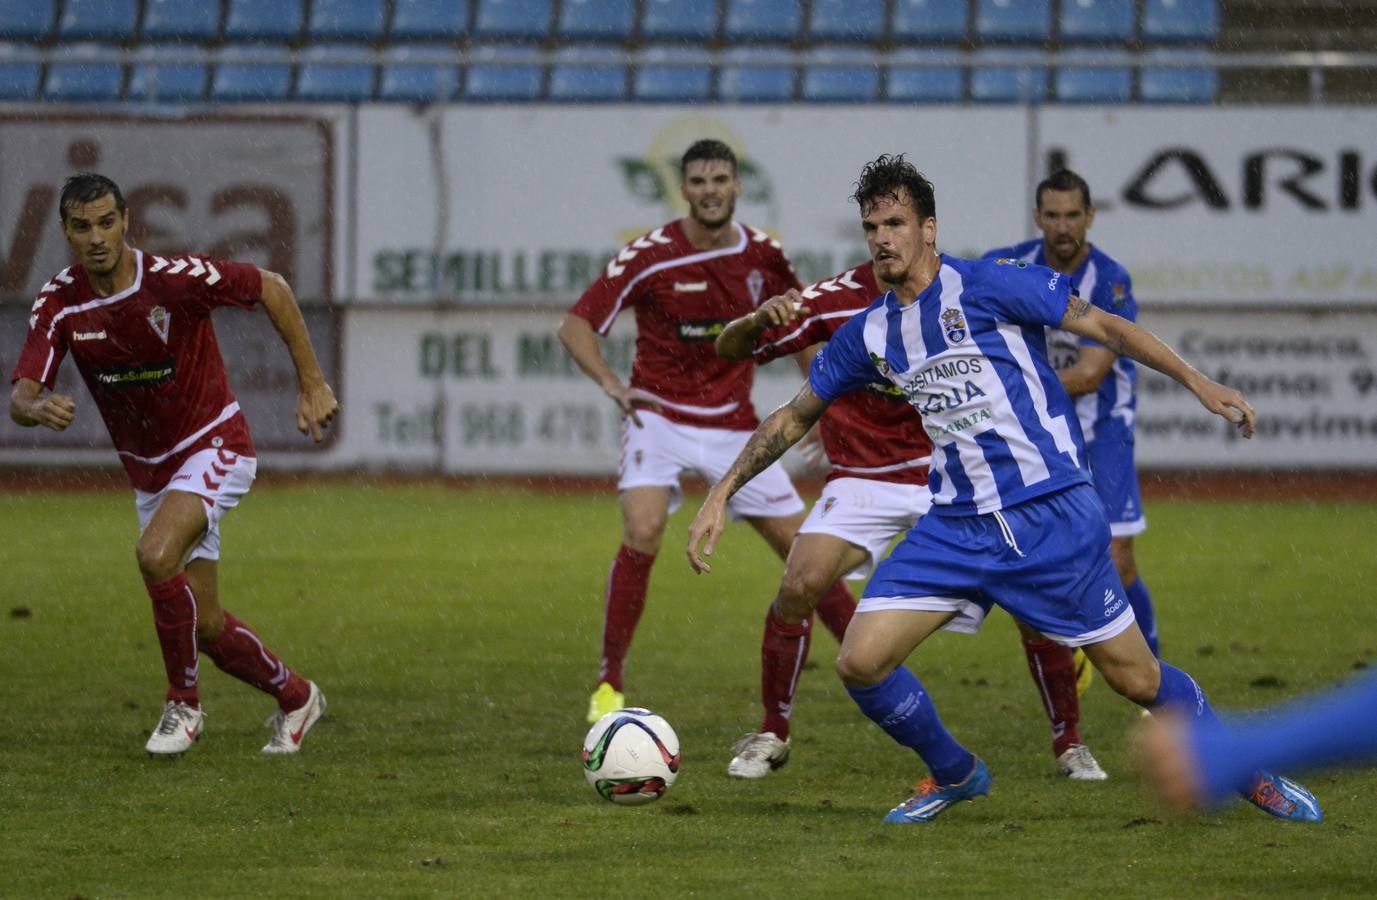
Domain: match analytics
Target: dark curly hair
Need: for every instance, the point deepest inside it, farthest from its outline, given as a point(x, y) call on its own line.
point(892, 176)
point(1064, 180)
point(87, 187)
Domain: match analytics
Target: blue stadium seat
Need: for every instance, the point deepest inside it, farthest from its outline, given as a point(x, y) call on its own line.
point(83, 72)
point(180, 20)
point(97, 20)
point(604, 20)
point(252, 73)
point(20, 72)
point(263, 20)
point(929, 21)
point(1093, 84)
point(1097, 21)
point(746, 78)
point(154, 80)
point(346, 20)
point(671, 75)
point(941, 80)
point(756, 21)
point(847, 20)
point(1026, 21)
point(428, 20)
point(336, 72)
point(500, 72)
point(588, 75)
point(527, 20)
point(1180, 20)
point(835, 75)
point(1190, 80)
point(419, 73)
point(679, 19)
point(1010, 79)
point(27, 20)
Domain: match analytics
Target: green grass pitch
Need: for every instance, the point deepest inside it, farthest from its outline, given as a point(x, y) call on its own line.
point(455, 634)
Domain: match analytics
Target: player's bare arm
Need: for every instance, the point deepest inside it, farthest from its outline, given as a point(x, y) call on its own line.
point(579, 338)
point(316, 406)
point(1127, 339)
point(30, 405)
point(737, 340)
point(1088, 372)
point(780, 431)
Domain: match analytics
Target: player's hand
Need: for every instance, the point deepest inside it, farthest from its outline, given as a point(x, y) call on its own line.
point(1229, 403)
point(316, 408)
point(57, 411)
point(707, 527)
point(782, 309)
point(628, 399)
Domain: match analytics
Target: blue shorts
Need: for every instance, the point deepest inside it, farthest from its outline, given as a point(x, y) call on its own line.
point(1044, 561)
point(1116, 481)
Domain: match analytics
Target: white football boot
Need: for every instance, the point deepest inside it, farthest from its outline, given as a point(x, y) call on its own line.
point(1078, 765)
point(290, 728)
point(757, 755)
point(177, 730)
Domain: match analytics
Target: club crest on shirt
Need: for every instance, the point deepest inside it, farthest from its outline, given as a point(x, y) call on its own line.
point(755, 283)
point(881, 365)
point(1120, 294)
point(1006, 261)
point(954, 325)
point(161, 321)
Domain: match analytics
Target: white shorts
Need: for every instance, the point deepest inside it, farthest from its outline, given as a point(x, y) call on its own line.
point(656, 454)
point(218, 477)
point(867, 513)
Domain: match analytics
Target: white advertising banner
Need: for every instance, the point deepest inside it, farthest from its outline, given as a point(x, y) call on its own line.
point(526, 204)
point(1277, 205)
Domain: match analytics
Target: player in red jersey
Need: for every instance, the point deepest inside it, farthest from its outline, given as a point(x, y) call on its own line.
point(686, 407)
point(139, 329)
point(876, 490)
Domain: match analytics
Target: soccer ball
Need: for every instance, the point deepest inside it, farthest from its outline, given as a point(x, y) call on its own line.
point(631, 757)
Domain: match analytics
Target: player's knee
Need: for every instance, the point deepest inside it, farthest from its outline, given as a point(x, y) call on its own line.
point(860, 670)
point(798, 595)
point(157, 561)
point(644, 536)
point(1138, 683)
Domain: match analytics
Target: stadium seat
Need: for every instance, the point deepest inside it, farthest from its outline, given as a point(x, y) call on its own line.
point(940, 80)
point(26, 20)
point(1093, 84)
point(847, 20)
point(1189, 80)
point(83, 72)
point(97, 20)
point(252, 73)
point(1008, 79)
point(180, 20)
point(836, 75)
point(1180, 20)
point(419, 73)
point(679, 19)
point(604, 20)
point(525, 20)
point(1099, 21)
point(757, 21)
point(20, 73)
point(152, 80)
point(346, 20)
point(263, 20)
point(589, 74)
point(929, 21)
point(342, 73)
point(1026, 21)
point(671, 75)
point(427, 20)
point(746, 78)
point(504, 72)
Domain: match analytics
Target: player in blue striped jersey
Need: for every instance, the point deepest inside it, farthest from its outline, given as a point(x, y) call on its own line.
point(1102, 383)
point(1014, 521)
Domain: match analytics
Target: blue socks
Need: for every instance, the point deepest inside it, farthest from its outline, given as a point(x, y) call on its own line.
point(904, 710)
point(1141, 601)
point(1180, 692)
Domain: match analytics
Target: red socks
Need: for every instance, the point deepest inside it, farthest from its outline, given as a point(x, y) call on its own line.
point(782, 654)
point(1053, 668)
point(836, 608)
point(625, 601)
point(240, 653)
point(174, 615)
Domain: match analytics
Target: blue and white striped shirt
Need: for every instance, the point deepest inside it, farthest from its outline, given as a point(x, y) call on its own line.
point(970, 353)
point(1108, 413)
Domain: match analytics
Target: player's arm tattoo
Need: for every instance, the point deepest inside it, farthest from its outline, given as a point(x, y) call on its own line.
point(1077, 308)
point(781, 430)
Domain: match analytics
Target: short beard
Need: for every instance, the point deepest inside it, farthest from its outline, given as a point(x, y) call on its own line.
point(725, 218)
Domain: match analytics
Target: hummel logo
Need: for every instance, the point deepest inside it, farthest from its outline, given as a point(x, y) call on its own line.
point(88, 336)
point(691, 287)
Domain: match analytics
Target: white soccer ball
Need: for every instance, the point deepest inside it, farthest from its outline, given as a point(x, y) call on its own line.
point(631, 757)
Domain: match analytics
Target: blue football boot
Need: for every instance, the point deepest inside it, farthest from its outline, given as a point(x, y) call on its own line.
point(930, 798)
point(1283, 798)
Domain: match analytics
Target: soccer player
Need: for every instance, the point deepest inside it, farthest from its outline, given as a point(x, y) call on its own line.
point(875, 491)
point(139, 328)
point(1102, 382)
point(1014, 521)
point(686, 408)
